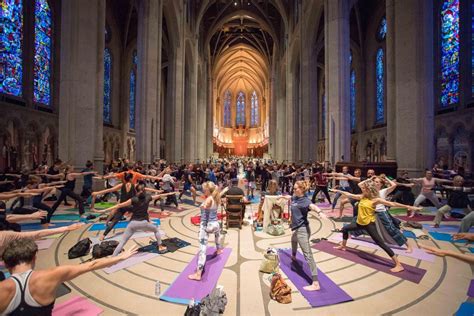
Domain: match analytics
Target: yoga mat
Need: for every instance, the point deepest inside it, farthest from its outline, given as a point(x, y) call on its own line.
point(470, 290)
point(44, 243)
point(103, 205)
point(123, 224)
point(411, 273)
point(409, 234)
point(417, 253)
point(134, 260)
point(446, 237)
point(300, 274)
point(118, 236)
point(172, 244)
point(62, 290)
point(466, 309)
point(398, 211)
point(471, 250)
point(182, 290)
point(425, 218)
point(344, 219)
point(37, 226)
point(65, 217)
point(77, 306)
point(453, 229)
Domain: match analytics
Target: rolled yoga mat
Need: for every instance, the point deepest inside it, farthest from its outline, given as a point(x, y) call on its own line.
point(300, 275)
point(411, 273)
point(182, 290)
point(417, 253)
point(123, 224)
point(77, 306)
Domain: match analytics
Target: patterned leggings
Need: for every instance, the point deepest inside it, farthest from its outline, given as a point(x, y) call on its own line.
point(204, 230)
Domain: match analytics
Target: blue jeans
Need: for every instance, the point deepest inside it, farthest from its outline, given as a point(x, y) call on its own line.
point(338, 195)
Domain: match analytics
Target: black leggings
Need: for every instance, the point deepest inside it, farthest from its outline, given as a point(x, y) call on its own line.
point(44, 207)
point(371, 229)
point(68, 192)
point(325, 191)
point(115, 219)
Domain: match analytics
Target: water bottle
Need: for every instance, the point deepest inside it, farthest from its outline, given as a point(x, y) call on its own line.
point(191, 302)
point(157, 288)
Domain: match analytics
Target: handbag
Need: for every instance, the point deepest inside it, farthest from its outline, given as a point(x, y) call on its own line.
point(269, 263)
point(276, 228)
point(279, 290)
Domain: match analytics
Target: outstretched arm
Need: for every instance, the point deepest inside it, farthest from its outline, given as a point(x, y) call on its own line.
point(15, 218)
point(350, 195)
point(395, 204)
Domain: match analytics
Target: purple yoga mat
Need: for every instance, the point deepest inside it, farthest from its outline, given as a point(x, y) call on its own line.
point(425, 218)
point(133, 260)
point(182, 290)
point(300, 274)
point(470, 291)
point(417, 253)
point(411, 273)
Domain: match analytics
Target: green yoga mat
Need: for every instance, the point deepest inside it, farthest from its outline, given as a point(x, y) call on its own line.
point(398, 211)
point(103, 205)
point(65, 217)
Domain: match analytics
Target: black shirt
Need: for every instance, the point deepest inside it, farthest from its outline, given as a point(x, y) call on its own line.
point(234, 191)
point(458, 198)
point(140, 207)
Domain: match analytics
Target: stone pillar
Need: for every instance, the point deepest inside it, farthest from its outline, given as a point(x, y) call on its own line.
point(410, 124)
point(159, 104)
point(337, 50)
point(81, 82)
point(147, 77)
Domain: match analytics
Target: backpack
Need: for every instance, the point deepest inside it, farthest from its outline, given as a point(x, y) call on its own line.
point(214, 303)
point(279, 290)
point(269, 263)
point(104, 249)
point(81, 248)
point(276, 228)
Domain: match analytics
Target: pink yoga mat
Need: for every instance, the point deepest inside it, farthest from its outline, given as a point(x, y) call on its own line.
point(135, 259)
point(79, 306)
point(417, 253)
point(44, 243)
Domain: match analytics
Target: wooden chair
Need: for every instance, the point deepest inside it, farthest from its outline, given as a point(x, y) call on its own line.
point(234, 211)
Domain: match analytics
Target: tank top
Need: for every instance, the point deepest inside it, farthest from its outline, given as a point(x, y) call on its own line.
point(209, 214)
point(70, 184)
point(124, 195)
point(428, 185)
point(366, 214)
point(22, 302)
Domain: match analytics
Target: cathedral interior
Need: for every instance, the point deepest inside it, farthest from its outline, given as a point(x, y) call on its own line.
point(383, 84)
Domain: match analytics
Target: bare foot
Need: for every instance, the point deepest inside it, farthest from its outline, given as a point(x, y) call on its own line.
point(101, 238)
point(219, 251)
point(409, 249)
point(397, 268)
point(162, 248)
point(435, 226)
point(313, 287)
point(341, 247)
point(195, 276)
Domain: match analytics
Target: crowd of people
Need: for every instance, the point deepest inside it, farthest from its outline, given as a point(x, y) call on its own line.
point(136, 185)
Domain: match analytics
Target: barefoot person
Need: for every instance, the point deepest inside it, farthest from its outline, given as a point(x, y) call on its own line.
point(300, 207)
point(368, 200)
point(140, 220)
point(209, 225)
point(33, 292)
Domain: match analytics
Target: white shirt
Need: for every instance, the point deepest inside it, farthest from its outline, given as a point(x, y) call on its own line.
point(383, 195)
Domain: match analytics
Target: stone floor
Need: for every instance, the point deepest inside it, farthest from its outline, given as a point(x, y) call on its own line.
point(132, 290)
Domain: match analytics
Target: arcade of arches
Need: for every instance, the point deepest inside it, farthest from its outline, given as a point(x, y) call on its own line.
point(292, 80)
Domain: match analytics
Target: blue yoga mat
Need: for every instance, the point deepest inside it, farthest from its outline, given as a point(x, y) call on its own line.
point(466, 309)
point(409, 234)
point(101, 226)
point(37, 226)
point(443, 228)
point(445, 237)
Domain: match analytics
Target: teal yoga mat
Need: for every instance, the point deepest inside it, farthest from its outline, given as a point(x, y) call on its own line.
point(101, 226)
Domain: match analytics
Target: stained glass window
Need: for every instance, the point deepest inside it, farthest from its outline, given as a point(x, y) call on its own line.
point(133, 88)
point(472, 47)
point(382, 30)
point(107, 86)
point(42, 63)
point(227, 108)
point(449, 52)
point(254, 110)
point(240, 118)
point(379, 73)
point(11, 41)
point(323, 116)
point(353, 100)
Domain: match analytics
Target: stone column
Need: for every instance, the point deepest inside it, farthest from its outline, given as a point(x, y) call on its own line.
point(147, 77)
point(81, 82)
point(337, 51)
point(410, 125)
point(159, 104)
